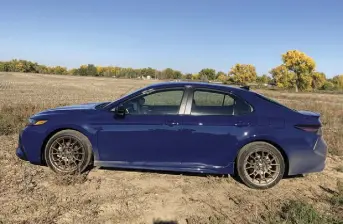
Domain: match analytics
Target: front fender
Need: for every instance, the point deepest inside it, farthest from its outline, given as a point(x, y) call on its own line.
point(88, 131)
point(32, 139)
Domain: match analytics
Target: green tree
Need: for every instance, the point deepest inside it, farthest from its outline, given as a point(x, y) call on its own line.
point(188, 76)
point(177, 75)
point(338, 81)
point(42, 69)
point(302, 66)
point(196, 76)
point(3, 67)
point(328, 85)
point(264, 79)
point(148, 72)
point(59, 70)
point(318, 80)
point(167, 73)
point(82, 71)
point(207, 74)
point(243, 73)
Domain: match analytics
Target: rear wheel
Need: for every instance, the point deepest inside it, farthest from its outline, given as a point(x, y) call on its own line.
point(68, 152)
point(260, 165)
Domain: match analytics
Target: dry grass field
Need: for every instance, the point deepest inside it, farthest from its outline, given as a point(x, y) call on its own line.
point(34, 194)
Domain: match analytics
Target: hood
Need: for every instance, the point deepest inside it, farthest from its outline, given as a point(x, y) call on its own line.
point(85, 106)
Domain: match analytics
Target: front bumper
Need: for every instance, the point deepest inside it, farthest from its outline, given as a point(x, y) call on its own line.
point(21, 154)
point(29, 144)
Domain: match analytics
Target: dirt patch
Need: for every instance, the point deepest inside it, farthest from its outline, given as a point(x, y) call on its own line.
point(34, 194)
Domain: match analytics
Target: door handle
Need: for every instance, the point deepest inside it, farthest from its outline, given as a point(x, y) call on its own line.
point(172, 123)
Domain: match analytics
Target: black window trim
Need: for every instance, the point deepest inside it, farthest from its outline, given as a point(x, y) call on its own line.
point(183, 103)
point(230, 93)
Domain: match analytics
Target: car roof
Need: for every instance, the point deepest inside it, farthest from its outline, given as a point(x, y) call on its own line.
point(173, 84)
point(195, 84)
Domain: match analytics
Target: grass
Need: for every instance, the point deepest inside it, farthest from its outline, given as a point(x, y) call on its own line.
point(337, 198)
point(14, 117)
point(339, 168)
point(300, 212)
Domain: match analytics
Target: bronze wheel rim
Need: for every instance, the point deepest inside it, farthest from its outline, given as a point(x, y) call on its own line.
point(261, 167)
point(66, 154)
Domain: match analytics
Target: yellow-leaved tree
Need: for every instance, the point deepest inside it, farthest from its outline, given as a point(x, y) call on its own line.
point(243, 73)
point(302, 66)
point(282, 77)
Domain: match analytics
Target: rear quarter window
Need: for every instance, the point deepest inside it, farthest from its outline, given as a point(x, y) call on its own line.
point(273, 101)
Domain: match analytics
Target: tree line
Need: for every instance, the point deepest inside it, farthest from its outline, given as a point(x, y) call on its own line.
point(297, 71)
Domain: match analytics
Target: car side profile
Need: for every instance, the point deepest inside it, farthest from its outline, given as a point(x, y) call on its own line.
point(183, 127)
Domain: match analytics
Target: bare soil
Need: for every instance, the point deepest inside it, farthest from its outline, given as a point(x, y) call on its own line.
point(34, 194)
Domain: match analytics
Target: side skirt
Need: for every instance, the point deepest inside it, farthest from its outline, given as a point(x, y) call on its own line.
point(178, 167)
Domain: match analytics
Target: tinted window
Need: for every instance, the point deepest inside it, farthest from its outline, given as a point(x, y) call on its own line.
point(215, 103)
point(166, 98)
point(156, 103)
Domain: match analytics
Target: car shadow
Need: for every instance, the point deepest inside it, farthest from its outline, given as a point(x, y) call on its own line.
point(165, 222)
point(177, 173)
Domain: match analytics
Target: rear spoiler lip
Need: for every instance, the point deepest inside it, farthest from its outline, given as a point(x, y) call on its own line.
point(308, 113)
point(245, 87)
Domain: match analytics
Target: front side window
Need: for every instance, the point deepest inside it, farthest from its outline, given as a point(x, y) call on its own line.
point(155, 103)
point(216, 103)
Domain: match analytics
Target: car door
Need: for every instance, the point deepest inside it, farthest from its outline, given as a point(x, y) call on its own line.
point(148, 133)
point(214, 123)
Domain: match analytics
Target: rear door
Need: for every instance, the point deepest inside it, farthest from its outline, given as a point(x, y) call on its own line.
point(214, 123)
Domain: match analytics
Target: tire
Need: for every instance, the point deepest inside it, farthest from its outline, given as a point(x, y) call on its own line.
point(77, 153)
point(257, 165)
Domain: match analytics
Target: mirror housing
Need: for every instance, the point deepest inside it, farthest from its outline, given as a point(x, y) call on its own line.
point(120, 111)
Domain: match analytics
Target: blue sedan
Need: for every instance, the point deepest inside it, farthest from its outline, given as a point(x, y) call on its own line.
point(183, 127)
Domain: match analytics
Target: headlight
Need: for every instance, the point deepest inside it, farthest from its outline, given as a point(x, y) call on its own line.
point(36, 122)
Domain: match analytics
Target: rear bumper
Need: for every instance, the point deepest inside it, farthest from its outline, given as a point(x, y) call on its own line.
point(309, 161)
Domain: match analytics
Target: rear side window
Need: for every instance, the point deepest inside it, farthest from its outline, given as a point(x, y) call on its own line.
point(216, 103)
point(203, 98)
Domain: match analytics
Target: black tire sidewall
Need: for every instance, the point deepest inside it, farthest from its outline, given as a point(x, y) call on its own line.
point(82, 139)
point(243, 153)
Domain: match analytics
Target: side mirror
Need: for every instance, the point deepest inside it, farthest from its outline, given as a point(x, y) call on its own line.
point(120, 111)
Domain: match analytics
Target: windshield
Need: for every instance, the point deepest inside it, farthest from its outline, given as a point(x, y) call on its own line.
point(129, 92)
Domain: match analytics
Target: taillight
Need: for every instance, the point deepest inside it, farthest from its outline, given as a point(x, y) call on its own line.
point(310, 128)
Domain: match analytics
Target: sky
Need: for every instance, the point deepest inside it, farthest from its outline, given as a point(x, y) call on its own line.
point(185, 35)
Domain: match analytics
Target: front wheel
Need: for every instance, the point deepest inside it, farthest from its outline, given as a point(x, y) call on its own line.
point(68, 152)
point(260, 165)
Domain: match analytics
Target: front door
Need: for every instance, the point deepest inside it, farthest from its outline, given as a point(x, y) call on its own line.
point(148, 133)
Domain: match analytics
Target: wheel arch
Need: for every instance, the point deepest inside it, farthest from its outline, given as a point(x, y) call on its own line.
point(273, 143)
point(56, 130)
